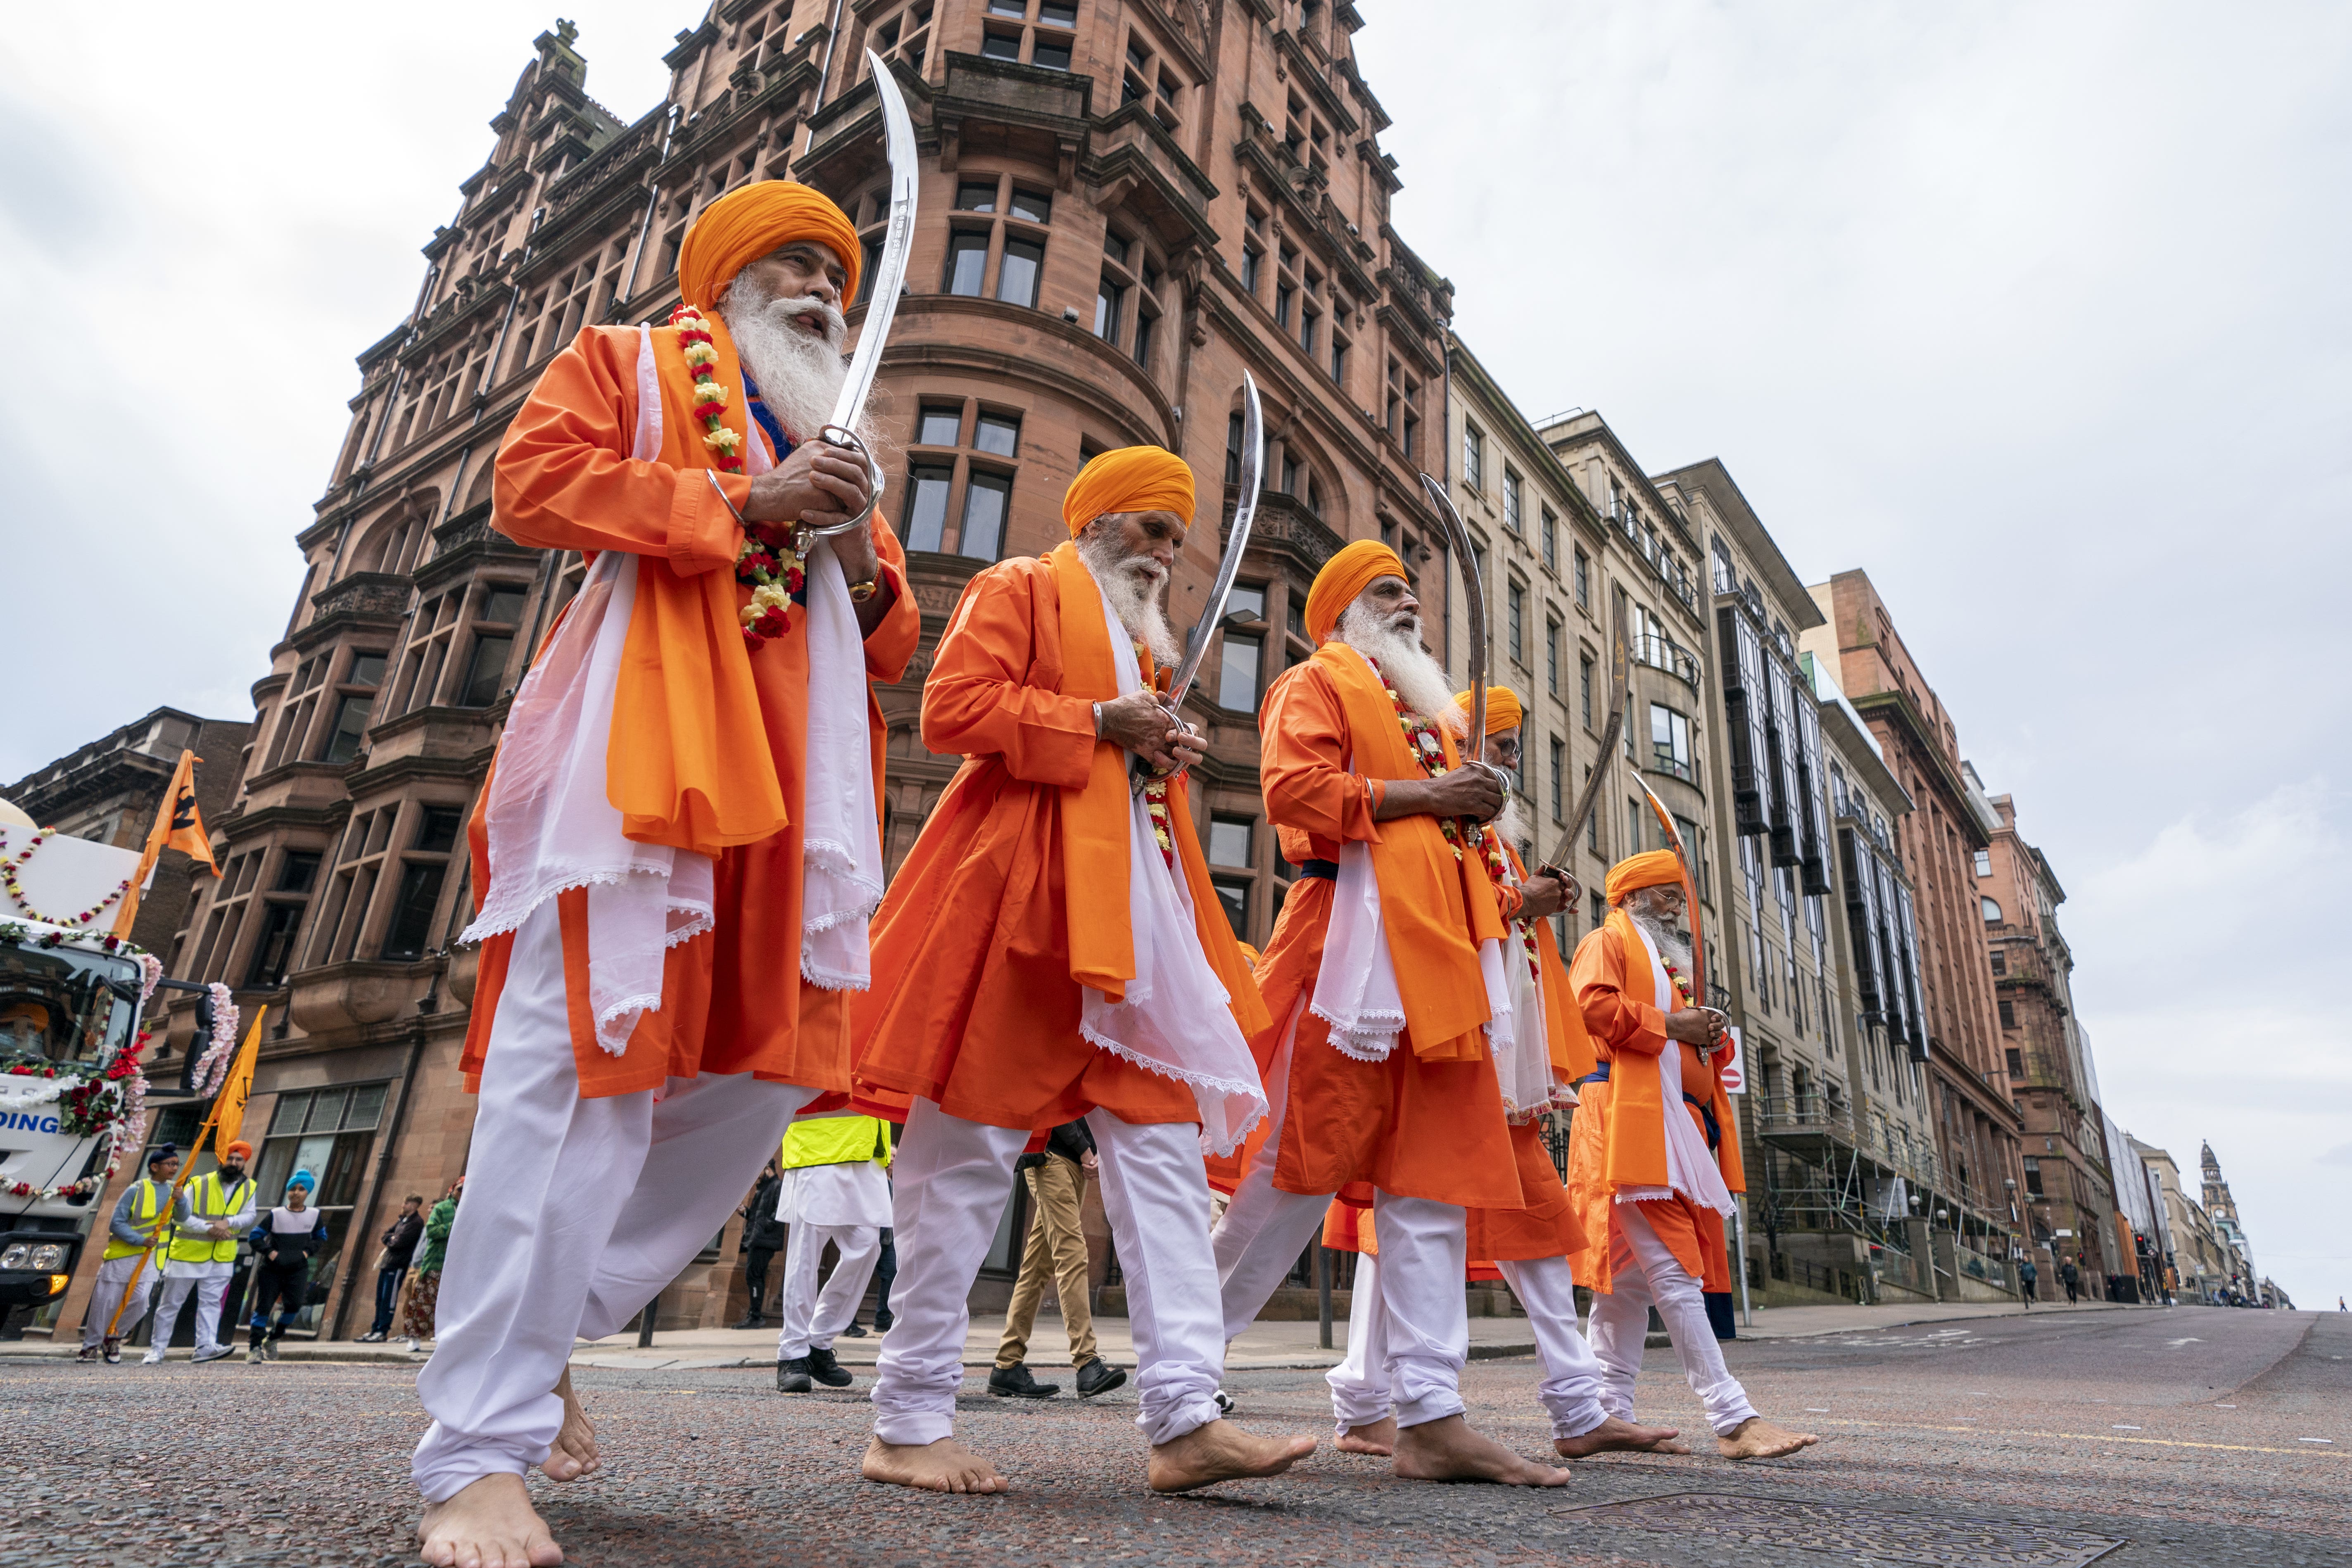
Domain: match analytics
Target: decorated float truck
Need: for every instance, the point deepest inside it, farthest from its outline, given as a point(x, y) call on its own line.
point(71, 1091)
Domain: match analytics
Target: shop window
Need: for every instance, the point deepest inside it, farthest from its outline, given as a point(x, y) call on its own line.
point(329, 1132)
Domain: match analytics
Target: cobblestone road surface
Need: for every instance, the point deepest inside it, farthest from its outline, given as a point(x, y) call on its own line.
point(2186, 1435)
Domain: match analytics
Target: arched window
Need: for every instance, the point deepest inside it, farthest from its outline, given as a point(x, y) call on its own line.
point(1991, 913)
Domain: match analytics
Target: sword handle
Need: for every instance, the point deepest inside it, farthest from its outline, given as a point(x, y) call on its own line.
point(837, 435)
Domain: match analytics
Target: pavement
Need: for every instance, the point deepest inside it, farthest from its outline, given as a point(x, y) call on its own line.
point(2190, 1435)
point(1266, 1346)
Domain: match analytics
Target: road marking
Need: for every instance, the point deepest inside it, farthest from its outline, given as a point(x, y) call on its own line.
point(1817, 1410)
point(2314, 1439)
point(2121, 1427)
point(2225, 1408)
point(2176, 1344)
point(2078, 1436)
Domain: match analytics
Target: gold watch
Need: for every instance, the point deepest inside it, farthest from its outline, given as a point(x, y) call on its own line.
point(861, 592)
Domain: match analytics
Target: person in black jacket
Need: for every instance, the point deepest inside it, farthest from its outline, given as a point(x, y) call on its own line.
point(1057, 1185)
point(763, 1235)
point(399, 1246)
point(283, 1244)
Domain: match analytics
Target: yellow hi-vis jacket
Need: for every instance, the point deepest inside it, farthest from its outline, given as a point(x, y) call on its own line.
point(835, 1140)
point(148, 1196)
point(208, 1199)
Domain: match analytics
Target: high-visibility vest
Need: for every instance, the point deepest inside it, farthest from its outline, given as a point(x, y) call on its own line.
point(147, 1200)
point(835, 1140)
point(208, 1199)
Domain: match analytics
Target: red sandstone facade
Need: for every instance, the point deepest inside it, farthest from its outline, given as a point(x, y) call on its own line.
point(1123, 206)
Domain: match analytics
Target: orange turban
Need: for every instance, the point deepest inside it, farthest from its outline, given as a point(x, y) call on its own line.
point(1129, 478)
point(239, 1146)
point(1343, 577)
point(1651, 869)
point(1503, 709)
point(754, 220)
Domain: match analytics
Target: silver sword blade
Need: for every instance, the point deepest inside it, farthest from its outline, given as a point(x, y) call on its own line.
point(1474, 599)
point(898, 240)
point(1690, 881)
point(1196, 646)
point(1619, 700)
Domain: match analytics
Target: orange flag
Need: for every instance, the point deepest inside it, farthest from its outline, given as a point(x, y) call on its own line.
point(236, 1089)
point(178, 826)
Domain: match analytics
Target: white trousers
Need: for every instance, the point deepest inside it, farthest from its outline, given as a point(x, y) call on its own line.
point(577, 1212)
point(1546, 1287)
point(114, 1275)
point(1427, 1325)
point(208, 1289)
point(954, 1178)
point(811, 1319)
point(1642, 1273)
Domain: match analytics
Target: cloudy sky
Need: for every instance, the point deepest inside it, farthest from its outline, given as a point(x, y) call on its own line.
point(2036, 312)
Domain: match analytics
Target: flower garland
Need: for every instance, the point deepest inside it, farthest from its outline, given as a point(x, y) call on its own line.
point(1421, 739)
point(10, 864)
point(1155, 791)
point(774, 580)
point(1490, 849)
point(113, 1101)
point(212, 1065)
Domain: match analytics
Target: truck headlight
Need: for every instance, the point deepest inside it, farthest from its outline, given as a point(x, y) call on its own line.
point(41, 1258)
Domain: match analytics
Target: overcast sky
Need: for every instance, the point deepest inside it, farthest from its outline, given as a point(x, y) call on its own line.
point(2036, 312)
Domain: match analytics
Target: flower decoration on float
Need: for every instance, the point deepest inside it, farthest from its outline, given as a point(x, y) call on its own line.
point(10, 864)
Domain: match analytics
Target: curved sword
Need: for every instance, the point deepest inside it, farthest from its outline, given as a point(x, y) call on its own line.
point(889, 275)
point(1620, 694)
point(1473, 598)
point(1690, 895)
point(1196, 644)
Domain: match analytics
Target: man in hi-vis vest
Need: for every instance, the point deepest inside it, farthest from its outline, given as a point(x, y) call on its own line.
point(131, 1231)
point(837, 1188)
point(215, 1210)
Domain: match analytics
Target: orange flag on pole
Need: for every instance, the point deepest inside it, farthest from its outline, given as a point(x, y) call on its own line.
point(236, 1089)
point(178, 826)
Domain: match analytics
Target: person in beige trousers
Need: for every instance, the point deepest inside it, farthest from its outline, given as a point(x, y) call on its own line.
point(1057, 1186)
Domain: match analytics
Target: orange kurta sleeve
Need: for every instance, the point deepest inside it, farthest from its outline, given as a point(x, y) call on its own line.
point(1303, 734)
point(566, 481)
point(1618, 1022)
point(978, 702)
point(890, 647)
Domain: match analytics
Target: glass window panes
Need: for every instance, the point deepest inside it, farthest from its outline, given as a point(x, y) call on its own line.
point(295, 872)
point(503, 606)
point(1229, 841)
point(1110, 297)
point(976, 196)
point(967, 261)
point(1037, 206)
point(998, 433)
point(351, 724)
point(367, 669)
point(488, 670)
point(1058, 13)
point(997, 46)
point(1115, 247)
point(926, 504)
point(1234, 895)
point(1008, 7)
point(939, 427)
point(986, 500)
point(1016, 279)
point(1051, 53)
point(365, 1107)
point(326, 1111)
point(1237, 675)
point(1245, 602)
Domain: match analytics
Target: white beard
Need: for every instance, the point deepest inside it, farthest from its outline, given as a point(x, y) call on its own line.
point(799, 376)
point(1131, 583)
point(1419, 679)
point(1668, 940)
point(1512, 823)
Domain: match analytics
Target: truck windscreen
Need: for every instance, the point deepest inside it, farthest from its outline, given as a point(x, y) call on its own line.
point(64, 1004)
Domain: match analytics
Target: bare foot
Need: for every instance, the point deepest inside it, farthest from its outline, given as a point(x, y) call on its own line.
point(1756, 1439)
point(1447, 1451)
point(1221, 1451)
point(1615, 1435)
point(946, 1466)
point(1372, 1437)
point(573, 1453)
point(489, 1524)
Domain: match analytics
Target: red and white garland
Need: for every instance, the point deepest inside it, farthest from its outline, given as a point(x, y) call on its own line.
point(11, 865)
point(1490, 849)
point(772, 578)
point(1155, 791)
point(111, 1101)
point(212, 1065)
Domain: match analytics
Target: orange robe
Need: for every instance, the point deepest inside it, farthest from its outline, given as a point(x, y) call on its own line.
point(1427, 1121)
point(732, 1001)
point(1609, 1149)
point(978, 945)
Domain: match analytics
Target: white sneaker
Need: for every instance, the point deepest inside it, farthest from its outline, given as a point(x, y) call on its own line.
point(150, 1358)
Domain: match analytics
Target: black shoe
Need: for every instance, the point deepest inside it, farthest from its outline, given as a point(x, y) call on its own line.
point(853, 1332)
point(1014, 1383)
point(882, 1321)
point(751, 1320)
point(1225, 1402)
point(827, 1371)
point(793, 1376)
point(1098, 1377)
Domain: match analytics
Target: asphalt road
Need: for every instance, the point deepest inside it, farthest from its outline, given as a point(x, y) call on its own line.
point(2127, 1438)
